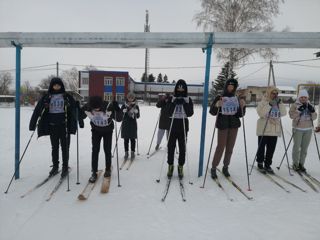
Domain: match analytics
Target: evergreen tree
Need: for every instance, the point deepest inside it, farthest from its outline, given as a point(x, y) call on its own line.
point(165, 79)
point(143, 77)
point(151, 78)
point(173, 81)
point(159, 78)
point(218, 84)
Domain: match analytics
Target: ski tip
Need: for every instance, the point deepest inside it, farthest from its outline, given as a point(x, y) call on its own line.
point(81, 197)
point(249, 189)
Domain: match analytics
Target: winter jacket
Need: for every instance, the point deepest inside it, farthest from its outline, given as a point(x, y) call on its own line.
point(179, 107)
point(271, 123)
point(301, 120)
point(129, 126)
point(164, 122)
point(224, 121)
point(42, 115)
point(102, 121)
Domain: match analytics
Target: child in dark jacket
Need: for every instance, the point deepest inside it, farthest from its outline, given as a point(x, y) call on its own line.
point(228, 109)
point(55, 115)
point(129, 126)
point(178, 108)
point(101, 114)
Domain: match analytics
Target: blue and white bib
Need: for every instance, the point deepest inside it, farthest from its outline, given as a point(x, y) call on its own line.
point(230, 105)
point(100, 119)
point(56, 103)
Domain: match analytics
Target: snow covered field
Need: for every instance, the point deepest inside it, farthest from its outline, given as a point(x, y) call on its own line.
point(135, 211)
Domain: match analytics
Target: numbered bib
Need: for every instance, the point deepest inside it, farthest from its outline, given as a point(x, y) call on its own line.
point(56, 104)
point(230, 105)
point(100, 119)
point(305, 116)
point(275, 112)
point(180, 114)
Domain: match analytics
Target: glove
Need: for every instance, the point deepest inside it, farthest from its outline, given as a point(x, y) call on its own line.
point(135, 111)
point(81, 124)
point(115, 106)
point(124, 110)
point(179, 101)
point(242, 103)
point(311, 108)
point(302, 108)
point(275, 101)
point(219, 103)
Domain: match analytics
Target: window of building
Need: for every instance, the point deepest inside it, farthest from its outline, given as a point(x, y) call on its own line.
point(120, 81)
point(108, 81)
point(108, 97)
point(120, 97)
point(85, 81)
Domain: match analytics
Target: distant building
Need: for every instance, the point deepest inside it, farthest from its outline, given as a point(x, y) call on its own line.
point(7, 100)
point(254, 94)
point(116, 84)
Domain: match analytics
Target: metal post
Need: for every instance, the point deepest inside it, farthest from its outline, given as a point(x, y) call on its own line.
point(205, 104)
point(17, 103)
point(57, 68)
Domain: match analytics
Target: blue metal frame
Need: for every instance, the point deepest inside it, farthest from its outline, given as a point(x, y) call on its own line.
point(205, 104)
point(17, 103)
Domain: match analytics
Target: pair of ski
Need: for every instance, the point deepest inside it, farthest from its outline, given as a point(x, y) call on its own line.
point(153, 153)
point(84, 195)
point(272, 176)
point(125, 161)
point(55, 189)
point(235, 185)
point(181, 187)
point(311, 181)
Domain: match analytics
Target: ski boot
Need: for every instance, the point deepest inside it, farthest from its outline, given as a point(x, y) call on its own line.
point(126, 155)
point(261, 168)
point(180, 171)
point(132, 155)
point(64, 171)
point(93, 177)
point(296, 167)
point(302, 168)
point(157, 147)
point(54, 171)
point(213, 173)
point(268, 169)
point(170, 171)
point(107, 173)
point(225, 172)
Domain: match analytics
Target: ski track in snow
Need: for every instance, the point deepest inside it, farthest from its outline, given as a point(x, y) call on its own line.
point(135, 210)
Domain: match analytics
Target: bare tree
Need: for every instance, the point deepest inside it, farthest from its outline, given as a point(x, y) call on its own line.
point(239, 16)
point(90, 68)
point(45, 82)
point(70, 77)
point(5, 81)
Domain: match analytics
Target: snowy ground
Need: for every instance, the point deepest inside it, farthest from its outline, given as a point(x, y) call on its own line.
point(135, 211)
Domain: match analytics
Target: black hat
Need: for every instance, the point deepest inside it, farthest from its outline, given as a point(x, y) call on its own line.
point(56, 80)
point(95, 102)
point(181, 89)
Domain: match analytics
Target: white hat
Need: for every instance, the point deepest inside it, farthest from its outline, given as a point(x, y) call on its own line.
point(303, 93)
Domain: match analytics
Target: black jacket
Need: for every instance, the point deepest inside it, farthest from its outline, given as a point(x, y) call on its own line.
point(177, 125)
point(106, 106)
point(226, 121)
point(164, 122)
point(129, 126)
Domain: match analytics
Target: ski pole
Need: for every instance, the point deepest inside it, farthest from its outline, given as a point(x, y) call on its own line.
point(67, 144)
point(174, 111)
point(117, 137)
point(284, 144)
point(206, 172)
point(286, 148)
point(260, 142)
point(116, 147)
point(315, 139)
point(17, 167)
point(77, 114)
point(185, 145)
point(245, 149)
point(19, 162)
point(154, 133)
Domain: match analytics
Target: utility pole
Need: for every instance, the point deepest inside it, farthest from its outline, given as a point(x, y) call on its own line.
point(57, 67)
point(146, 60)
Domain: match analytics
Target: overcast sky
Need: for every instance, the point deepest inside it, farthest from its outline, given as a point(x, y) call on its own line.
point(129, 16)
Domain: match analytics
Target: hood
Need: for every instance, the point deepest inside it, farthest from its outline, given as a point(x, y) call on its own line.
point(181, 89)
point(269, 91)
point(232, 82)
point(54, 81)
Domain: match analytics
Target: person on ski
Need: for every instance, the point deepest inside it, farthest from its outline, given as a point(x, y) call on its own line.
point(56, 117)
point(164, 121)
point(302, 114)
point(178, 108)
point(129, 127)
point(101, 114)
point(228, 108)
point(317, 129)
point(270, 110)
